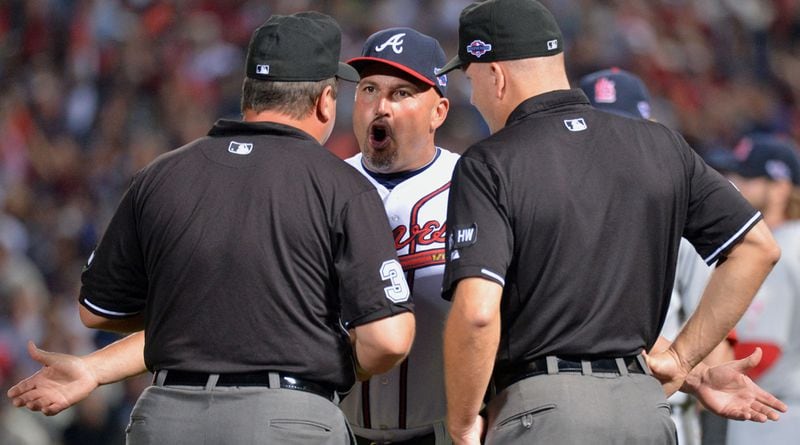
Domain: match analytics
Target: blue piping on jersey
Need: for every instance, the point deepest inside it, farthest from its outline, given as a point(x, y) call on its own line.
point(391, 180)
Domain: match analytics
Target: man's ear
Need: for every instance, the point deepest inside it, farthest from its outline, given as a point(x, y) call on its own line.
point(499, 79)
point(326, 105)
point(439, 113)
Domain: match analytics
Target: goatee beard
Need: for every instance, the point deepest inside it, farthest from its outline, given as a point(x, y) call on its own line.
point(381, 160)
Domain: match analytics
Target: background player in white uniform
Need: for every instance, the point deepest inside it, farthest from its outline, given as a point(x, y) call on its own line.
point(399, 104)
point(767, 171)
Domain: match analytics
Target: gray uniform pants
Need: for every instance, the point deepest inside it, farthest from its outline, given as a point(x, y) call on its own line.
point(191, 415)
point(576, 409)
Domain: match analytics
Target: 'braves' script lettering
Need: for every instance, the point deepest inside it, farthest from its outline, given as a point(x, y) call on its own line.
point(429, 233)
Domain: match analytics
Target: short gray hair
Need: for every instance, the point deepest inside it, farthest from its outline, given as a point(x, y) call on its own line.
point(294, 99)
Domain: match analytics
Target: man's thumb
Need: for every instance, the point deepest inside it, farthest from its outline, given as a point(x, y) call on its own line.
point(41, 356)
point(751, 361)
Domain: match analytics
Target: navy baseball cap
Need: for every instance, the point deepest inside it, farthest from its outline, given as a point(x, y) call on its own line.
point(408, 50)
point(767, 156)
point(302, 47)
point(496, 30)
point(617, 91)
point(720, 159)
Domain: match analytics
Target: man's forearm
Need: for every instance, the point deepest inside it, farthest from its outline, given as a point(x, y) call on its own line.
point(382, 344)
point(122, 359)
point(728, 294)
point(471, 338)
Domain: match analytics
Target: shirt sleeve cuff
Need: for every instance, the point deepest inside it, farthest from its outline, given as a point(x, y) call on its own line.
point(711, 259)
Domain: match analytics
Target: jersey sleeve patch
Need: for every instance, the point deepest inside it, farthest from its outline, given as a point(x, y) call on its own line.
point(463, 236)
point(397, 291)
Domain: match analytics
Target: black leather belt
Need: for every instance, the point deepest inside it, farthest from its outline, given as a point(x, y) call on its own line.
point(427, 439)
point(504, 379)
point(286, 381)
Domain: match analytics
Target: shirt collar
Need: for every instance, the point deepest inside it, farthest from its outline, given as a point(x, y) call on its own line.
point(227, 127)
point(545, 102)
point(390, 180)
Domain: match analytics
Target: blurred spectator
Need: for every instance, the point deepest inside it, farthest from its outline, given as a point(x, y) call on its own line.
point(94, 90)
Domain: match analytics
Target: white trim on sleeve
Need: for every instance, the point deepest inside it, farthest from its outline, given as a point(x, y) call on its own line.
point(106, 311)
point(711, 258)
point(491, 274)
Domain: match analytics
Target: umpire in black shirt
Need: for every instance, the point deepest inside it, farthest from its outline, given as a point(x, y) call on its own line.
point(563, 232)
point(247, 255)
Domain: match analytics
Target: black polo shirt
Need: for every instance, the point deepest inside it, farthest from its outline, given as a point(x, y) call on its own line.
point(251, 249)
point(578, 213)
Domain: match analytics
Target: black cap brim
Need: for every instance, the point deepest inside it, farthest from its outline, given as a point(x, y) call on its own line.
point(348, 73)
point(454, 63)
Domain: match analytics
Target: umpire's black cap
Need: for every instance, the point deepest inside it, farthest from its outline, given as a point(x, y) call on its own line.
point(408, 50)
point(495, 30)
point(302, 47)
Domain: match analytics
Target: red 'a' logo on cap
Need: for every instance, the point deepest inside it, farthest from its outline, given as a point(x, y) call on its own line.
point(605, 91)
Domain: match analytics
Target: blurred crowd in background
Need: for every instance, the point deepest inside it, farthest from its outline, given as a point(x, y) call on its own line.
point(93, 90)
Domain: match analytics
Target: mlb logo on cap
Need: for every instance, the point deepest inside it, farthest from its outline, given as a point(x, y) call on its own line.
point(262, 69)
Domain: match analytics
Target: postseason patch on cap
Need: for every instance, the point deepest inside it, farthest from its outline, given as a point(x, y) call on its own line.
point(440, 79)
point(478, 48)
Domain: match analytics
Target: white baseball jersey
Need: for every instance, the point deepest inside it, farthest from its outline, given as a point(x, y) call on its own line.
point(771, 318)
point(774, 317)
point(409, 400)
point(691, 277)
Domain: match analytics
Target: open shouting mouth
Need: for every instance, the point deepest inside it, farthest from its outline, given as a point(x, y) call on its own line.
point(379, 135)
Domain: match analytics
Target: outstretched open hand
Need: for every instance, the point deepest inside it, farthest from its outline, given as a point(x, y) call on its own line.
point(726, 390)
point(63, 381)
